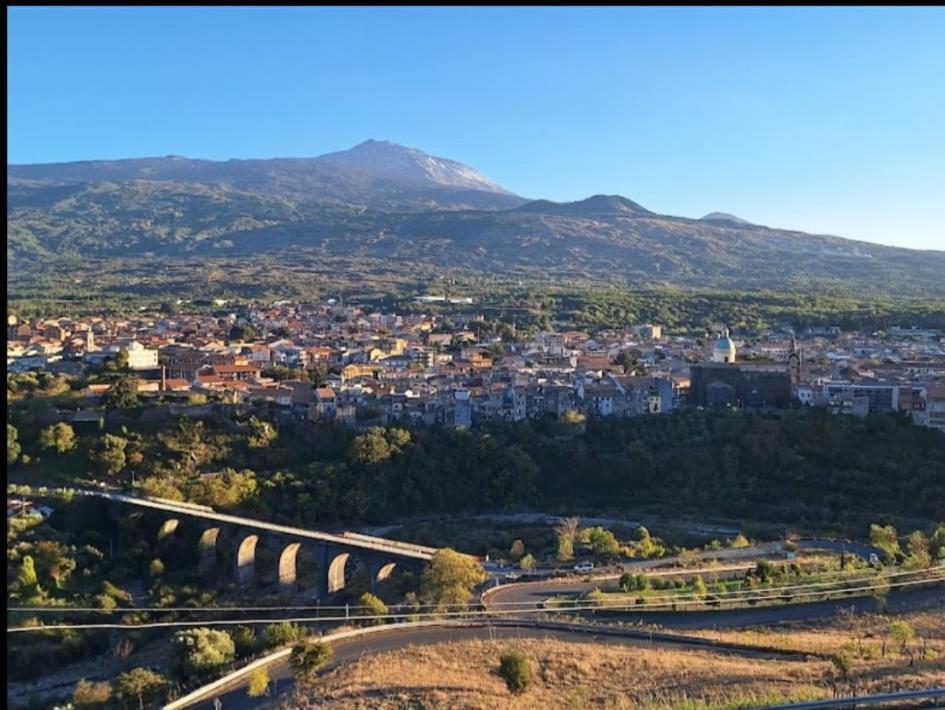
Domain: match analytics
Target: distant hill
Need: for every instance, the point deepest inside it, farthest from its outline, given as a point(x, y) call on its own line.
point(724, 217)
point(374, 173)
point(383, 201)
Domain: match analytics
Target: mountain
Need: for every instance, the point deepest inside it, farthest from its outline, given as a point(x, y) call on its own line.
point(380, 201)
point(377, 174)
point(724, 217)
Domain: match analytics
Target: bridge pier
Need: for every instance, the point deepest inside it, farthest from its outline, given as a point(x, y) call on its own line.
point(244, 568)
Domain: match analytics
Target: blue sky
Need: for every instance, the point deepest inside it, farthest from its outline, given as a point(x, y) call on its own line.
point(829, 120)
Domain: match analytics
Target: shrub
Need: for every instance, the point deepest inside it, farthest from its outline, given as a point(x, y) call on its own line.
point(373, 606)
point(244, 639)
point(283, 633)
point(258, 683)
point(514, 670)
point(88, 695)
point(309, 657)
point(201, 650)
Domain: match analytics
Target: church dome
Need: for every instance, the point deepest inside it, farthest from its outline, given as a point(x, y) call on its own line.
point(724, 349)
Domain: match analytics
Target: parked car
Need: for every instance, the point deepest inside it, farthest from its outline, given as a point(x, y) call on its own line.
point(583, 567)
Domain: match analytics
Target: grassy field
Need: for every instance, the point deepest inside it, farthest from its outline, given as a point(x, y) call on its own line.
point(579, 675)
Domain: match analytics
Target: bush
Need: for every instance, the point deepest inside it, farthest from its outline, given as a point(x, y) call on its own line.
point(514, 670)
point(373, 606)
point(90, 695)
point(244, 639)
point(308, 658)
point(283, 633)
point(258, 683)
point(201, 650)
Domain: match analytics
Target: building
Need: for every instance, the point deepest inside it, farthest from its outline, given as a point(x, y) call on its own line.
point(722, 385)
point(724, 349)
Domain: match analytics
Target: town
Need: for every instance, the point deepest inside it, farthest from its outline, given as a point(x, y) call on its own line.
point(349, 363)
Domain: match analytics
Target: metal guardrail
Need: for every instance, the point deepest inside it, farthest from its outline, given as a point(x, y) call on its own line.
point(865, 700)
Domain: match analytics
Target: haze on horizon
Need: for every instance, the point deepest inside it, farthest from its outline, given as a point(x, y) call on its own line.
point(826, 120)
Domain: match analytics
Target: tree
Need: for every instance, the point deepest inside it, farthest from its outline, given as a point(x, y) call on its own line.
point(13, 447)
point(902, 632)
point(527, 562)
point(886, 539)
point(308, 658)
point(919, 551)
point(26, 581)
point(603, 542)
point(122, 394)
point(200, 650)
point(244, 639)
point(89, 695)
point(139, 683)
point(242, 332)
point(52, 561)
point(699, 589)
point(517, 550)
point(258, 683)
point(937, 544)
point(370, 448)
point(262, 433)
point(450, 578)
point(121, 360)
point(156, 568)
point(283, 633)
point(566, 530)
point(60, 437)
point(372, 606)
point(109, 455)
point(514, 670)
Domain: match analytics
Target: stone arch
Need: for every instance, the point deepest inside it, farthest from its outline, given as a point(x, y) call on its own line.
point(336, 572)
point(384, 571)
point(246, 559)
point(288, 572)
point(207, 548)
point(167, 528)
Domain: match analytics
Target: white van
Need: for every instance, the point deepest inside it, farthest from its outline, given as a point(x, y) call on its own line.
point(584, 567)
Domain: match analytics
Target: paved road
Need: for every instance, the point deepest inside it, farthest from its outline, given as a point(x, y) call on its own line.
point(352, 649)
point(349, 650)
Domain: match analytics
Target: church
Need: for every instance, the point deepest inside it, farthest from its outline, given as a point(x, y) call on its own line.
point(725, 383)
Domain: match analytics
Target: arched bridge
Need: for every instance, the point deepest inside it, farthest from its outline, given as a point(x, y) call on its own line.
point(282, 551)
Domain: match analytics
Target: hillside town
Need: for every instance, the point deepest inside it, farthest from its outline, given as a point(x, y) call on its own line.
point(346, 363)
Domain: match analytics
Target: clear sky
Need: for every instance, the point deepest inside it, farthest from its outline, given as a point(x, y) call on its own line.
point(828, 120)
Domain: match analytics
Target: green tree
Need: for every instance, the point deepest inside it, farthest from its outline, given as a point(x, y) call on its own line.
point(140, 684)
point(244, 639)
point(283, 633)
point(121, 359)
point(91, 695)
point(565, 532)
point(919, 548)
point(27, 583)
point(52, 562)
point(886, 539)
point(261, 433)
point(603, 541)
point(515, 671)
point(13, 447)
point(122, 394)
point(370, 448)
point(258, 683)
point(60, 437)
point(527, 562)
point(372, 606)
point(937, 544)
point(902, 633)
point(109, 455)
point(699, 589)
point(242, 332)
point(308, 658)
point(517, 551)
point(198, 651)
point(450, 577)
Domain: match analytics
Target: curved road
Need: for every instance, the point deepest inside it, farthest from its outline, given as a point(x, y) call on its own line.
point(352, 649)
point(348, 650)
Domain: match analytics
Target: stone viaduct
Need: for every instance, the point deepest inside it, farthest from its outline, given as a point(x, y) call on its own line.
point(256, 551)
